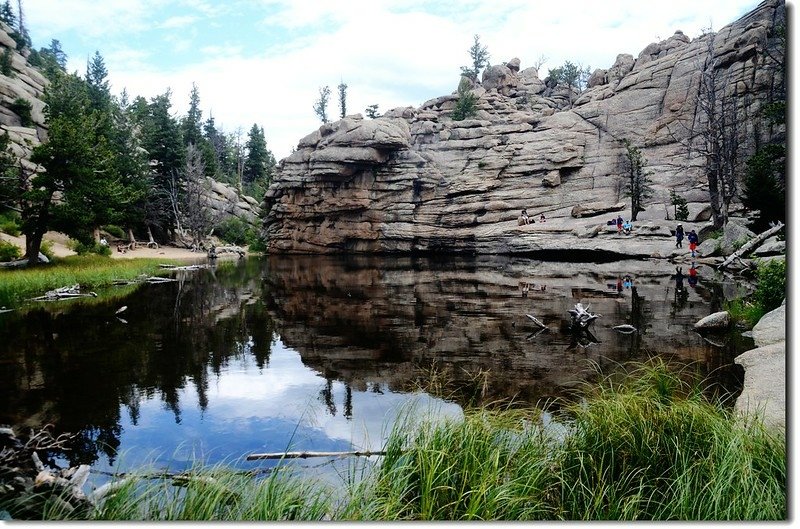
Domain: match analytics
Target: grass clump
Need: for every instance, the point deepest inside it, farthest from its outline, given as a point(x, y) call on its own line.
point(8, 251)
point(769, 293)
point(646, 447)
point(89, 271)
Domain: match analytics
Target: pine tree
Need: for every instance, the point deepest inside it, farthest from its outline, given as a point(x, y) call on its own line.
point(639, 185)
point(480, 59)
point(342, 99)
point(7, 14)
point(191, 123)
point(321, 105)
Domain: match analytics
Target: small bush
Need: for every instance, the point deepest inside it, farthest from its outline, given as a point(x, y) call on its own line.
point(233, 231)
point(115, 231)
point(83, 249)
point(10, 223)
point(771, 289)
point(47, 249)
point(5, 63)
point(467, 103)
point(22, 107)
point(8, 251)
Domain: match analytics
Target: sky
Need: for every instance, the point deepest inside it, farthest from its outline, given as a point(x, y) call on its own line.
point(264, 61)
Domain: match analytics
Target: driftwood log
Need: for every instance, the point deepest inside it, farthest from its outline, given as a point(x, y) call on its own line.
point(581, 317)
point(305, 455)
point(751, 245)
point(70, 292)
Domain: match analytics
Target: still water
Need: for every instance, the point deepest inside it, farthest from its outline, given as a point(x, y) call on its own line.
point(323, 353)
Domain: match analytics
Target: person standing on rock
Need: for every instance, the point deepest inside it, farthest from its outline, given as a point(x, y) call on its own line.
point(679, 236)
point(619, 224)
point(693, 240)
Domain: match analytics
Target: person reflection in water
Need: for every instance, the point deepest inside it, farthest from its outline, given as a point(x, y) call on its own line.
point(693, 276)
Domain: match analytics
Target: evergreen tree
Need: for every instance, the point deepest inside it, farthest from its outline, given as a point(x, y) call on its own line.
point(191, 123)
point(680, 205)
point(97, 81)
point(467, 102)
point(78, 165)
point(372, 111)
point(342, 99)
point(321, 105)
point(480, 60)
point(259, 162)
point(7, 14)
point(639, 185)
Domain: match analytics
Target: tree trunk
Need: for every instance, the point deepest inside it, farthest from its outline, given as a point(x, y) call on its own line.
point(33, 245)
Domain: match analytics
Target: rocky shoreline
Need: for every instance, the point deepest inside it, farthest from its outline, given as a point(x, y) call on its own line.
point(764, 391)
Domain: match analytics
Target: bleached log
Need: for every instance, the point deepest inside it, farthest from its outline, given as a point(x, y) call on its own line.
point(536, 321)
point(304, 455)
point(751, 245)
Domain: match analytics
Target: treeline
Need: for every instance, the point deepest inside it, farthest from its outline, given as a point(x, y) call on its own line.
point(113, 160)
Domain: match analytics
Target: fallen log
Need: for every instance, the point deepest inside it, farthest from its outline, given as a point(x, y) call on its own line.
point(70, 292)
point(536, 321)
point(751, 245)
point(187, 267)
point(305, 455)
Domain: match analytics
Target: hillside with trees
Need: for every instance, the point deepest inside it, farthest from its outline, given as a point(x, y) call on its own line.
point(77, 159)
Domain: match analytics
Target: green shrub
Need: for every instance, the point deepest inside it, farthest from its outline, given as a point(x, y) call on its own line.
point(83, 249)
point(233, 231)
point(47, 249)
point(10, 223)
point(22, 107)
point(771, 288)
point(115, 231)
point(8, 251)
point(5, 63)
point(467, 103)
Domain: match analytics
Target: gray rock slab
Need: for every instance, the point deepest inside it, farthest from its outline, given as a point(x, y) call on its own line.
point(771, 328)
point(764, 391)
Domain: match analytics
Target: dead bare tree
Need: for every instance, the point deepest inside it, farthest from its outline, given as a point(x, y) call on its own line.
point(715, 133)
point(198, 217)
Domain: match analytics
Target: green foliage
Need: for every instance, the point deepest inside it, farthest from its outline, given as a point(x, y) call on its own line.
point(10, 223)
point(744, 311)
point(575, 76)
point(7, 14)
point(259, 164)
point(236, 231)
point(8, 251)
point(372, 111)
point(765, 185)
point(480, 60)
point(51, 60)
point(47, 250)
point(638, 186)
point(22, 107)
point(82, 248)
point(681, 207)
point(321, 104)
point(233, 231)
point(5, 63)
point(115, 231)
point(467, 102)
point(771, 288)
point(342, 88)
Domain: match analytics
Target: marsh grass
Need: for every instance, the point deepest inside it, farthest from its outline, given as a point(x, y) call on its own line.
point(90, 271)
point(647, 446)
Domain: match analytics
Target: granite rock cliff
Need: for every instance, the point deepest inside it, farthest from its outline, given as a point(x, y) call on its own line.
point(415, 180)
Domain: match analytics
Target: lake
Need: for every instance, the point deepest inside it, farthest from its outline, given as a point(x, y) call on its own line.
point(323, 353)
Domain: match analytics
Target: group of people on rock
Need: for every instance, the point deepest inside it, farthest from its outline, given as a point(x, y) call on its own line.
point(622, 226)
point(524, 218)
point(691, 237)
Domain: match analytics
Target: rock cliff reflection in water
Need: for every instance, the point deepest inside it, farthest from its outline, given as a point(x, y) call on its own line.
point(317, 353)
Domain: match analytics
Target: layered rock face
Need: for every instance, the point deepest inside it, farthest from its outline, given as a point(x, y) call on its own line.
point(416, 180)
point(26, 83)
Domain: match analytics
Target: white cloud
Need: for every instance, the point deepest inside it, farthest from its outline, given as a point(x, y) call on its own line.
point(393, 53)
point(178, 22)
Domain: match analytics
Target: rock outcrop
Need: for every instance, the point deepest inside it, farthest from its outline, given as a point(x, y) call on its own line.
point(764, 391)
point(415, 180)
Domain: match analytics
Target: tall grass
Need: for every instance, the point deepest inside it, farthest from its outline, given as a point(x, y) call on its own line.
point(90, 271)
point(648, 447)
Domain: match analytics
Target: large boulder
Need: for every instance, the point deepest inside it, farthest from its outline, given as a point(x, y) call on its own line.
point(714, 322)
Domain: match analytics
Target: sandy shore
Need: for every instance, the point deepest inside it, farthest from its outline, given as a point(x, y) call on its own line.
point(60, 249)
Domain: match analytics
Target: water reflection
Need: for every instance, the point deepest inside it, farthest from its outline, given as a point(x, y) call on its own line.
point(321, 352)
